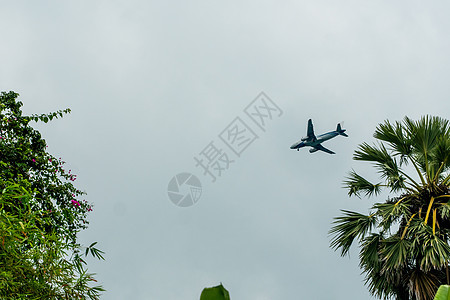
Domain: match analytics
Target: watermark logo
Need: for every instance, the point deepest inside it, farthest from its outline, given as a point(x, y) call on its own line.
point(238, 136)
point(262, 110)
point(218, 155)
point(184, 189)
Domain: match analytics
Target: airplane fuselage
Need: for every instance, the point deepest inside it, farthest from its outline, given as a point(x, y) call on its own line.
point(319, 139)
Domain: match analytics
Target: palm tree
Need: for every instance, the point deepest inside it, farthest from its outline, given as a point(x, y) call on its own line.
point(404, 250)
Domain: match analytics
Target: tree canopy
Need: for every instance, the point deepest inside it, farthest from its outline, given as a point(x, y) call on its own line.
point(41, 214)
point(404, 250)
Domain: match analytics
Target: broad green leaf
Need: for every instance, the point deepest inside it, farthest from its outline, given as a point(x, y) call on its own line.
point(443, 293)
point(215, 293)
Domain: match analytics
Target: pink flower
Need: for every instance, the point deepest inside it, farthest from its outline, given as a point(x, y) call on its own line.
point(34, 160)
point(75, 202)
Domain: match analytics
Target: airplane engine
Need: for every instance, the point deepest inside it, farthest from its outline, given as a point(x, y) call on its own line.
point(304, 139)
point(312, 150)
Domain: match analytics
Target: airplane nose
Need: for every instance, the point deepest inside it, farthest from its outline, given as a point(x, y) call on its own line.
point(297, 145)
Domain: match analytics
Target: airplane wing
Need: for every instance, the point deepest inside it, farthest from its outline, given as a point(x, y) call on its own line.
point(310, 132)
point(322, 148)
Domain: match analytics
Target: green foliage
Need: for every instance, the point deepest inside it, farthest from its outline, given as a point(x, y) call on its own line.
point(40, 215)
point(23, 155)
point(215, 293)
point(36, 263)
point(404, 250)
point(443, 293)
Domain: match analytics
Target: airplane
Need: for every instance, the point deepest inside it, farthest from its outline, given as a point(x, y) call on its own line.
point(315, 142)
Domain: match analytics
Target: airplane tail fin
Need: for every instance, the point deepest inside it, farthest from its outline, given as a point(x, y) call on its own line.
point(340, 130)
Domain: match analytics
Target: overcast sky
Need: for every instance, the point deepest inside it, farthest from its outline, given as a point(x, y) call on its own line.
point(152, 83)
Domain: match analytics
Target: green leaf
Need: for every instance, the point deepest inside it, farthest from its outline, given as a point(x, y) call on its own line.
point(356, 184)
point(384, 161)
point(395, 253)
point(443, 293)
point(39, 255)
point(391, 211)
point(396, 137)
point(348, 227)
point(215, 293)
point(369, 253)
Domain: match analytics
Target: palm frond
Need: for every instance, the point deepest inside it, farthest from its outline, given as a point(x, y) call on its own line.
point(394, 253)
point(357, 184)
point(423, 285)
point(348, 227)
point(387, 286)
point(436, 253)
point(369, 259)
point(446, 179)
point(396, 137)
point(440, 157)
point(426, 134)
point(370, 153)
point(390, 212)
point(379, 286)
point(385, 163)
point(430, 249)
point(445, 210)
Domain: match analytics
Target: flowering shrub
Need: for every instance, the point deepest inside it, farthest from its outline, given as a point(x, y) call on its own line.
point(34, 261)
point(44, 201)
